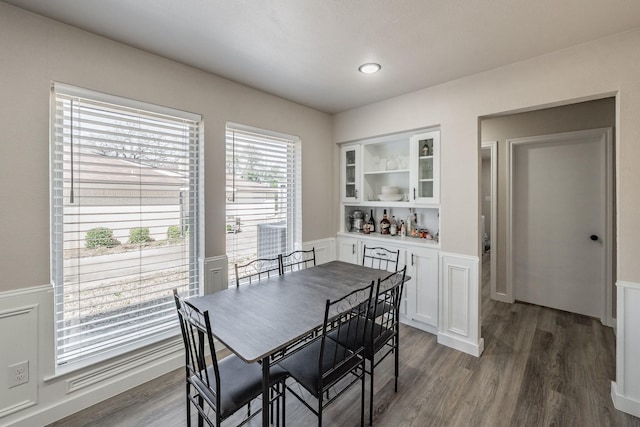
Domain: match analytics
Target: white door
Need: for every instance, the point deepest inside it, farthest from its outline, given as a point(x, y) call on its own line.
point(559, 221)
point(422, 289)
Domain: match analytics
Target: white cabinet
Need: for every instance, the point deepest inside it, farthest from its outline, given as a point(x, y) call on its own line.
point(425, 168)
point(373, 243)
point(392, 171)
point(420, 303)
point(349, 250)
point(350, 173)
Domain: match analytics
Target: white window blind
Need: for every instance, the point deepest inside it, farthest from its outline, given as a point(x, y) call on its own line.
point(263, 195)
point(125, 221)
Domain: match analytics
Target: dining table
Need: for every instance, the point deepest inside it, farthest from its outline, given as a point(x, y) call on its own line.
point(258, 321)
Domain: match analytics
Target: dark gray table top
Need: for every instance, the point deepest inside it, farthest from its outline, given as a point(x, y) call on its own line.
point(257, 320)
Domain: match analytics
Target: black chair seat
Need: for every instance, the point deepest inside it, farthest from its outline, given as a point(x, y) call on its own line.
point(303, 365)
point(242, 383)
point(378, 309)
point(353, 339)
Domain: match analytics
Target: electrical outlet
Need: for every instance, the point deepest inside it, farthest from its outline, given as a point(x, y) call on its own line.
point(18, 373)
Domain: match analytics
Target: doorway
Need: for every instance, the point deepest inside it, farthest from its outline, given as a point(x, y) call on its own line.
point(559, 233)
point(593, 114)
point(489, 217)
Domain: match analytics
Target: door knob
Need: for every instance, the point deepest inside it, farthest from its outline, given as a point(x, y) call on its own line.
point(593, 237)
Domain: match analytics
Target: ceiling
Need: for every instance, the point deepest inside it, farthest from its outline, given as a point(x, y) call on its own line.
point(308, 51)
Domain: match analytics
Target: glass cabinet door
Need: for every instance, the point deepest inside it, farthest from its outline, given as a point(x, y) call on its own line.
point(425, 178)
point(350, 176)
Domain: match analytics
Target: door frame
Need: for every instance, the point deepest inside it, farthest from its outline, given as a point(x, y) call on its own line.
point(492, 146)
point(606, 300)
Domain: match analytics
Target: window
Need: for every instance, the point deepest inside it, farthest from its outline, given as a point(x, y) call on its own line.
point(263, 195)
point(125, 208)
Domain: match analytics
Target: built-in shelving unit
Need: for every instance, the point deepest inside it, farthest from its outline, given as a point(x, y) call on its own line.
point(400, 174)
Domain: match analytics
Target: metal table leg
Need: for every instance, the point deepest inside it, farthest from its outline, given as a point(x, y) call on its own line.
point(265, 392)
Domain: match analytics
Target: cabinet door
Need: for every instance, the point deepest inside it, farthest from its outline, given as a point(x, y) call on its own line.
point(425, 167)
point(422, 289)
point(349, 250)
point(350, 173)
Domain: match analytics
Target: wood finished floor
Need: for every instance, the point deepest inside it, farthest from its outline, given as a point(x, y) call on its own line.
point(540, 367)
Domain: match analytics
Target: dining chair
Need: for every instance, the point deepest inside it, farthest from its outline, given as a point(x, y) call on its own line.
point(324, 363)
point(258, 269)
point(298, 260)
point(224, 386)
point(380, 258)
point(382, 329)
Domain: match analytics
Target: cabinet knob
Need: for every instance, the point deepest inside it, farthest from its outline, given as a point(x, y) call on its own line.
point(593, 237)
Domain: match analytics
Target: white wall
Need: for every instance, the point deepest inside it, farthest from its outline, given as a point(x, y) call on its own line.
point(606, 67)
point(35, 51)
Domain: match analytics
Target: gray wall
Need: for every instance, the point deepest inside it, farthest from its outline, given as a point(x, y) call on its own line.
point(486, 194)
point(35, 51)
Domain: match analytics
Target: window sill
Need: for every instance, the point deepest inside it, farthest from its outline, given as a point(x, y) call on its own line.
point(80, 376)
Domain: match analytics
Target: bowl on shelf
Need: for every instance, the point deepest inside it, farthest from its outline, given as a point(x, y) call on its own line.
point(390, 189)
point(390, 197)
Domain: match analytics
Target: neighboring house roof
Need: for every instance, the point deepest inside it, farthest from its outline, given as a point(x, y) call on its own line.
point(99, 168)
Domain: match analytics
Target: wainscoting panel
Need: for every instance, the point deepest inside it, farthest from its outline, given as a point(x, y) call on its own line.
point(19, 324)
point(325, 249)
point(625, 391)
point(215, 274)
point(459, 305)
point(19, 338)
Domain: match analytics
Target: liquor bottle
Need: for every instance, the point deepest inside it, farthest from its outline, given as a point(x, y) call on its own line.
point(385, 224)
point(372, 223)
point(409, 224)
point(393, 229)
point(403, 229)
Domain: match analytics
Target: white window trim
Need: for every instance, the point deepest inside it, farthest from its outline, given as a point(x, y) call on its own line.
point(63, 88)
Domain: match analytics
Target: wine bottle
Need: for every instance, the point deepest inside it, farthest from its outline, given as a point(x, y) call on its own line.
point(385, 224)
point(372, 223)
point(393, 229)
point(409, 224)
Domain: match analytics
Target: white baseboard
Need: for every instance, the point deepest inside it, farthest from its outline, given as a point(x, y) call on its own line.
point(623, 403)
point(502, 297)
point(453, 341)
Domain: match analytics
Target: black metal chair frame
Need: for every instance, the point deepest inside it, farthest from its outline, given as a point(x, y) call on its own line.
point(258, 269)
point(298, 260)
point(337, 365)
point(203, 385)
point(386, 310)
point(382, 336)
point(380, 258)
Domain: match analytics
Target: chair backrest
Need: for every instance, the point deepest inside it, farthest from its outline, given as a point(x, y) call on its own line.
point(344, 318)
point(380, 258)
point(386, 303)
point(298, 260)
point(200, 355)
point(258, 269)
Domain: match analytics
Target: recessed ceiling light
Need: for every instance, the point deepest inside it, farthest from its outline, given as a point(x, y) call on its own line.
point(369, 68)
